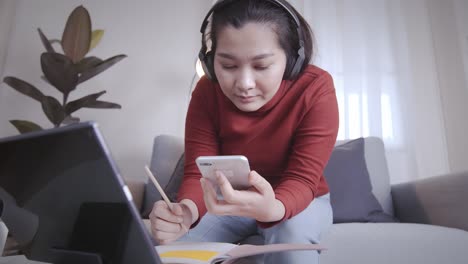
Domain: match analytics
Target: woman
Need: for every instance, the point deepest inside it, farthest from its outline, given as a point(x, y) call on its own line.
point(263, 100)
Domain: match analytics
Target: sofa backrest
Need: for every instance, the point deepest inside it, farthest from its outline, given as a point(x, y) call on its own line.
point(167, 151)
point(376, 162)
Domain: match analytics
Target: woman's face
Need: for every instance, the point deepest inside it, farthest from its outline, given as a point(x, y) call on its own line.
point(249, 64)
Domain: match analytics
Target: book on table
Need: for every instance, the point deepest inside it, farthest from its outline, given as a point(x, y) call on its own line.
point(217, 253)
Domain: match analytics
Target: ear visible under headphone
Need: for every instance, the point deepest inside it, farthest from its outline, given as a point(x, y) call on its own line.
point(206, 58)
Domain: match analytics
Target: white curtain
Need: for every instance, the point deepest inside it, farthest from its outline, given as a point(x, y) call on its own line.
point(381, 57)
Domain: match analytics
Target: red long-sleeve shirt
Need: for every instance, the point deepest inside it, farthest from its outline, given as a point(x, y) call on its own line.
point(288, 141)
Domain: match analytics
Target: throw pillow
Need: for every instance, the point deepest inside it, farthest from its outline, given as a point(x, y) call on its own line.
point(351, 194)
point(152, 195)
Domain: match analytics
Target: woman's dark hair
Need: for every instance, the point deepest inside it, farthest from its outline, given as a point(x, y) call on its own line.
point(237, 13)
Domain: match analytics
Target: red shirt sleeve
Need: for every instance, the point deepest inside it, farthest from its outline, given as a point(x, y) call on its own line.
point(313, 143)
point(200, 140)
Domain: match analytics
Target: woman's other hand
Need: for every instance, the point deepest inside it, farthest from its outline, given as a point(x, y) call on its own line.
point(258, 202)
point(168, 225)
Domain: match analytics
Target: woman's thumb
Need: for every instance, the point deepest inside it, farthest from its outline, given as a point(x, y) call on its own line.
point(177, 209)
point(258, 182)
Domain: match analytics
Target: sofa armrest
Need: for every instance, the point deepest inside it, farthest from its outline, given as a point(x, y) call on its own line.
point(137, 188)
point(440, 200)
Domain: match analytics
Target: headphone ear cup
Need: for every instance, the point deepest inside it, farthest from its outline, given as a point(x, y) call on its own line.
point(207, 65)
point(297, 65)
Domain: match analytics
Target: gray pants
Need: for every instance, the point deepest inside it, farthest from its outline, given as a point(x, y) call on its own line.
point(306, 227)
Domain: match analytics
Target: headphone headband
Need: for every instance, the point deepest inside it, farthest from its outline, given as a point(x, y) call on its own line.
point(205, 58)
point(220, 3)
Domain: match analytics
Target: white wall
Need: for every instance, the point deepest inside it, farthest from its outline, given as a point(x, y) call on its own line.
point(161, 39)
point(5, 26)
point(7, 12)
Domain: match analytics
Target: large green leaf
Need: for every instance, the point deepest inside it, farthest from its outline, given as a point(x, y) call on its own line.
point(24, 126)
point(104, 105)
point(53, 110)
point(76, 36)
point(60, 71)
point(91, 72)
point(87, 63)
point(96, 37)
point(45, 41)
point(82, 102)
point(24, 88)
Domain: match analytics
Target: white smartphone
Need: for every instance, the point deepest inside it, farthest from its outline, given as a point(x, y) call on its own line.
point(235, 167)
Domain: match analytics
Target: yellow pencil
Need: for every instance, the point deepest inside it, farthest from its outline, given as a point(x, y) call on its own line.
point(161, 191)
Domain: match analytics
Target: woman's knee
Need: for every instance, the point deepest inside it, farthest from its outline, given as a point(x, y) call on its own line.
point(307, 226)
point(288, 232)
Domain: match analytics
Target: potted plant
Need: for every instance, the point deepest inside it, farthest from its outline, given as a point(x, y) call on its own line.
point(65, 71)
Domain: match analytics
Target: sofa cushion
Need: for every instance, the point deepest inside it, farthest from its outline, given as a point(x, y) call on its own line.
point(351, 194)
point(173, 185)
point(390, 243)
point(376, 163)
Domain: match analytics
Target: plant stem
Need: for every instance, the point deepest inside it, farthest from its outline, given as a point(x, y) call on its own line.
point(65, 98)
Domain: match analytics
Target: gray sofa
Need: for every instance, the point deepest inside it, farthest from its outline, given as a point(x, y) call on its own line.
point(433, 212)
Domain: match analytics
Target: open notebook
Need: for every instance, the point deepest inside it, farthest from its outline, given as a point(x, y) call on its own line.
point(211, 252)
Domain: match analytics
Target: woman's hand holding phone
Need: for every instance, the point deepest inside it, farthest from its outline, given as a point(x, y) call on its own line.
point(257, 202)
